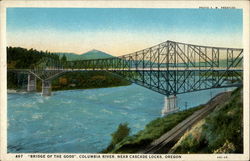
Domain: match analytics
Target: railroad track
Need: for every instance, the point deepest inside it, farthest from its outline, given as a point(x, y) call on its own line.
point(166, 141)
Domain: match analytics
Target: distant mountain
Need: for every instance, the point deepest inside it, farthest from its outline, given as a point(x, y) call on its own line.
point(92, 54)
point(95, 54)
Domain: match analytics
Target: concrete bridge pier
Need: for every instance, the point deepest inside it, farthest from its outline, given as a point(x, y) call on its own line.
point(31, 87)
point(46, 88)
point(170, 105)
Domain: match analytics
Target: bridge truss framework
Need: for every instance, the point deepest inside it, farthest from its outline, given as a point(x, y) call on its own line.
point(172, 68)
point(169, 68)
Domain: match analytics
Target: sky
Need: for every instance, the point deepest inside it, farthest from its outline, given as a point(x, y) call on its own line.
point(120, 31)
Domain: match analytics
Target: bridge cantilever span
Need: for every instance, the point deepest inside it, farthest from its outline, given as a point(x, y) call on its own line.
point(163, 66)
point(169, 68)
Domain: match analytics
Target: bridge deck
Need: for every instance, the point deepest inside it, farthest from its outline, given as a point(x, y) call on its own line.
point(133, 69)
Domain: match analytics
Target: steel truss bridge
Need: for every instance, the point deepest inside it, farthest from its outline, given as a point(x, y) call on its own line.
point(169, 68)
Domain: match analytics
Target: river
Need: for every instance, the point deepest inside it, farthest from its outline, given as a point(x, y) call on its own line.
point(81, 121)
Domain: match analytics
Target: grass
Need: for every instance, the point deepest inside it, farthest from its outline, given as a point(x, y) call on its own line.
point(152, 131)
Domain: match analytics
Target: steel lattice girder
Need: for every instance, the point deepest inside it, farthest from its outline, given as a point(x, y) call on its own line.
point(168, 68)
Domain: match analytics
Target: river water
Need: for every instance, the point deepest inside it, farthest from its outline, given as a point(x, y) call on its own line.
point(81, 121)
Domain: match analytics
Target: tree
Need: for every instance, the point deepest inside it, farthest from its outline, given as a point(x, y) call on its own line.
point(122, 131)
point(64, 58)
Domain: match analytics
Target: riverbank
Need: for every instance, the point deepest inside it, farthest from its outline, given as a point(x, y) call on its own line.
point(220, 132)
point(151, 132)
point(87, 80)
point(16, 91)
point(69, 81)
point(155, 129)
point(11, 91)
point(166, 141)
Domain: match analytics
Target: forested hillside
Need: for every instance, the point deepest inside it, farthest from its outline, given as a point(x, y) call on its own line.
point(23, 58)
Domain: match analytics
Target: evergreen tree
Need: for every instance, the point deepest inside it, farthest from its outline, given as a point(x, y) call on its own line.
point(64, 58)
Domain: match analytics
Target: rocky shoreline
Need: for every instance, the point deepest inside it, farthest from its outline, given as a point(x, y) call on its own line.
point(15, 91)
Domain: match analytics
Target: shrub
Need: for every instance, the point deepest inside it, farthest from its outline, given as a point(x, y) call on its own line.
point(122, 131)
point(226, 148)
